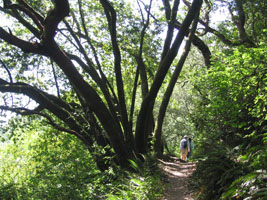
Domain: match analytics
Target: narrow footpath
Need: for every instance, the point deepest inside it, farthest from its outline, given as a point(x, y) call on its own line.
point(177, 175)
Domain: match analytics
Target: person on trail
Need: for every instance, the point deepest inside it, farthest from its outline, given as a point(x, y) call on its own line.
point(184, 147)
point(190, 148)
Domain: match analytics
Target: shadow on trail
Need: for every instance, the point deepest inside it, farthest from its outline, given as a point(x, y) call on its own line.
point(177, 173)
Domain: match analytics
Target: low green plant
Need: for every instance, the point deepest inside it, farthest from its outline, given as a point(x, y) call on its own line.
point(230, 117)
point(215, 171)
point(142, 182)
point(38, 162)
point(253, 184)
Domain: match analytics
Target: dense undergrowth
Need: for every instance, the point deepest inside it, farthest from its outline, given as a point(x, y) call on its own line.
point(231, 119)
point(45, 164)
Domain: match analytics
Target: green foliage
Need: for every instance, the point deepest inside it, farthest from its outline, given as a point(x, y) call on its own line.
point(38, 162)
point(256, 19)
point(45, 164)
point(251, 185)
point(146, 184)
point(216, 170)
point(231, 118)
point(177, 121)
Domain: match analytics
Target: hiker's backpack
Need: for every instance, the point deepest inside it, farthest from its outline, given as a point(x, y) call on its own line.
point(184, 143)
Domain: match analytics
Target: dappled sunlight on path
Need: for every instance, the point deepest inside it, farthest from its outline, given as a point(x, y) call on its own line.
point(177, 173)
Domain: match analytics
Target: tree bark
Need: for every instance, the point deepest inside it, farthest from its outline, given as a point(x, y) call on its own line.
point(91, 100)
point(166, 98)
point(148, 102)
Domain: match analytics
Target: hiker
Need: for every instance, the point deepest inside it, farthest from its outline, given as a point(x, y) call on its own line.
point(184, 147)
point(190, 148)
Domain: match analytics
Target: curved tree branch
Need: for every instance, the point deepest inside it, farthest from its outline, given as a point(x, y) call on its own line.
point(90, 69)
point(238, 20)
point(200, 45)
point(111, 17)
point(26, 9)
point(21, 20)
point(7, 70)
point(27, 47)
point(140, 61)
point(171, 18)
point(53, 18)
point(46, 100)
point(171, 85)
point(36, 111)
point(55, 77)
point(25, 111)
point(33, 13)
point(98, 81)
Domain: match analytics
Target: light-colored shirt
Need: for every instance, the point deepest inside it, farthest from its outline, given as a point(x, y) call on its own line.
point(181, 143)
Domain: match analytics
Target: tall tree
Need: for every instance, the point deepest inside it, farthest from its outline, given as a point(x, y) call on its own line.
point(94, 48)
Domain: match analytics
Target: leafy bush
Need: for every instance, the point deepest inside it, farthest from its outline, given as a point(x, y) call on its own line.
point(253, 184)
point(231, 118)
point(38, 162)
point(216, 170)
point(41, 164)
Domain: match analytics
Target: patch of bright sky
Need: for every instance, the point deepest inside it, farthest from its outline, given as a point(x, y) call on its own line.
point(220, 15)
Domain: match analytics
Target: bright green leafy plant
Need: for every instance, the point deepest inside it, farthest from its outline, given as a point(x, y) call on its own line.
point(231, 114)
point(47, 164)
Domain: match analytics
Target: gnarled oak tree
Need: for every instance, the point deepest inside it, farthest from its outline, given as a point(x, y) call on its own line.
point(97, 50)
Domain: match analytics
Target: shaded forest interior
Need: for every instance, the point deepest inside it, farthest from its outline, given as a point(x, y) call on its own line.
point(93, 93)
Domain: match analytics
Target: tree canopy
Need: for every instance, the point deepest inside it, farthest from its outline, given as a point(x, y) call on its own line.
point(75, 59)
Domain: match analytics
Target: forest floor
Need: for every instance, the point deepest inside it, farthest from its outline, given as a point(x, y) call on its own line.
point(177, 174)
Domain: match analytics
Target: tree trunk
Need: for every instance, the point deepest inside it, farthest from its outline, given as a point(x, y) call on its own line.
point(148, 102)
point(92, 102)
point(169, 90)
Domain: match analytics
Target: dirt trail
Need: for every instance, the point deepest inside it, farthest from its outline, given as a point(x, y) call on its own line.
point(177, 174)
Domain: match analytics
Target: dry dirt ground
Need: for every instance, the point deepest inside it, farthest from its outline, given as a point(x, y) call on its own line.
point(177, 175)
